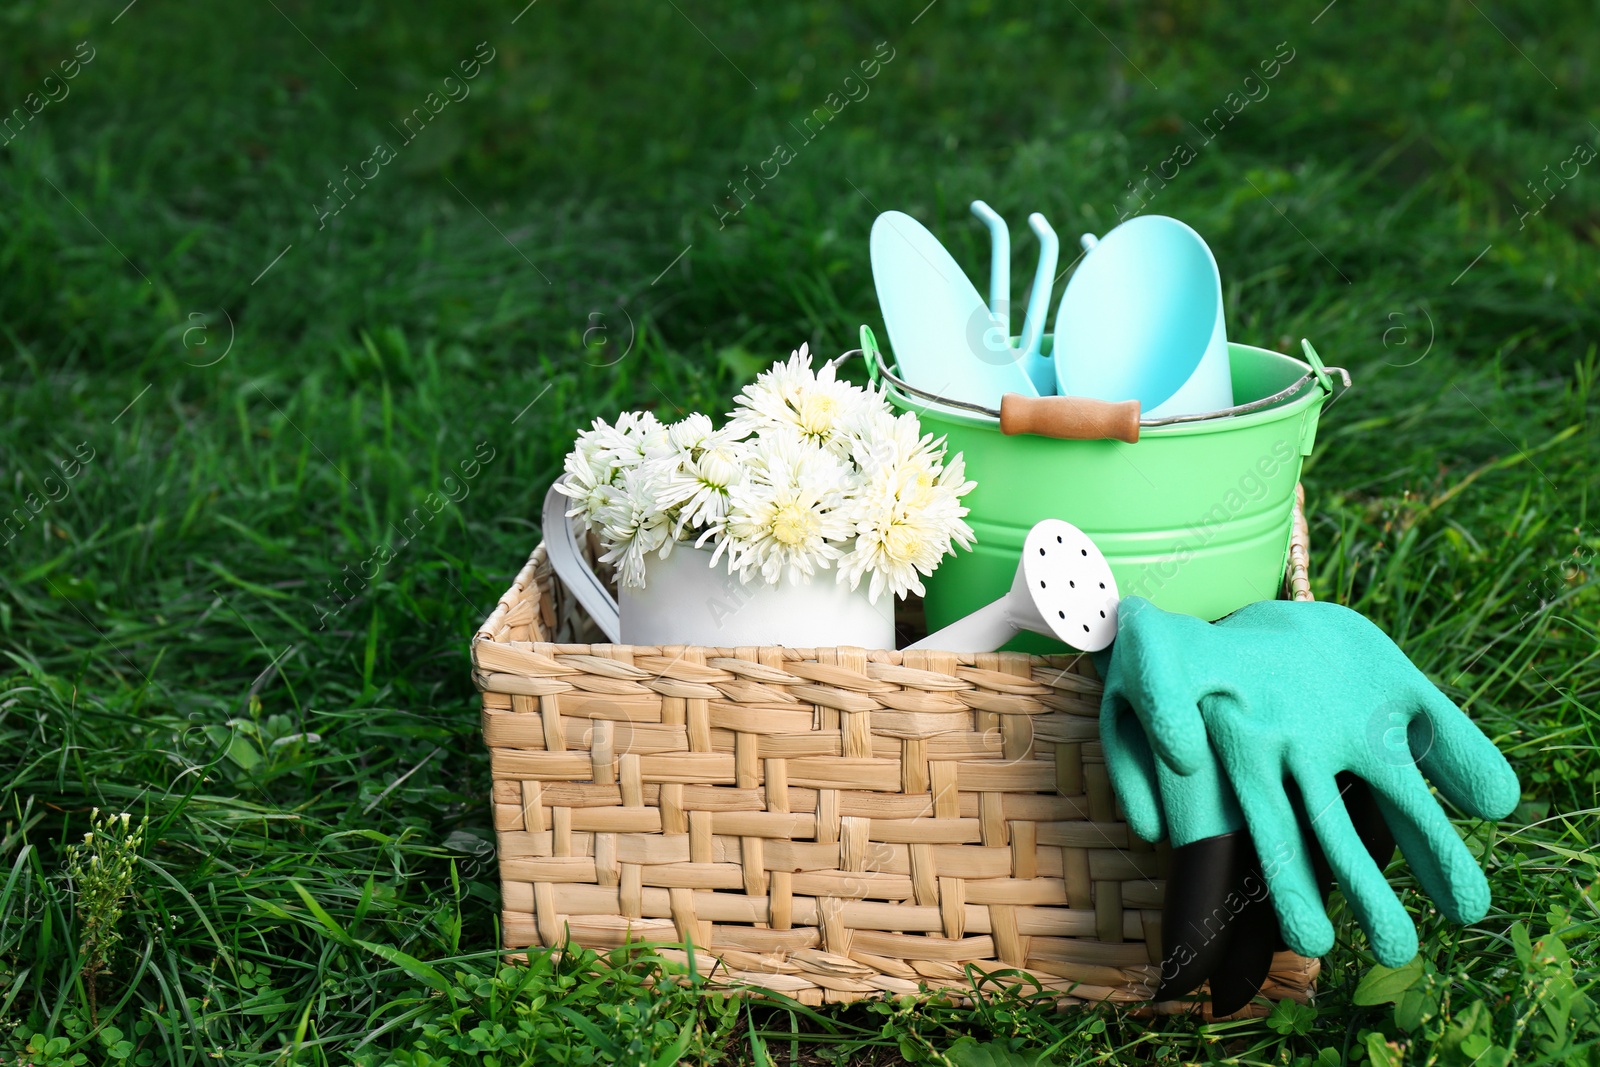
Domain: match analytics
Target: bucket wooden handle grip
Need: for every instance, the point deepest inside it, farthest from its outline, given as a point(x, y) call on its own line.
point(1070, 418)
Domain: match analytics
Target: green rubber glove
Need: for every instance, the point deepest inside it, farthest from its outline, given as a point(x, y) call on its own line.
point(1158, 801)
point(1300, 691)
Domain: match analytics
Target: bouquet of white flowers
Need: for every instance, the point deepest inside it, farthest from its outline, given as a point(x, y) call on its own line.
point(809, 473)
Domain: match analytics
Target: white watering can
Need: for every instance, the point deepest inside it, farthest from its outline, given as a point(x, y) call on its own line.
point(1063, 589)
point(687, 601)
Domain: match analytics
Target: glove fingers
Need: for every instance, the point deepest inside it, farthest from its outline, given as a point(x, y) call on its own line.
point(1367, 817)
point(1152, 662)
point(1459, 759)
point(1379, 911)
point(1132, 768)
point(1443, 865)
point(1177, 734)
point(1319, 862)
point(1285, 859)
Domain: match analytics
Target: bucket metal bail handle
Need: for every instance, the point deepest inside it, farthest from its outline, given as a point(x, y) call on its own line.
point(1320, 369)
point(566, 559)
point(1070, 418)
point(1066, 418)
point(869, 353)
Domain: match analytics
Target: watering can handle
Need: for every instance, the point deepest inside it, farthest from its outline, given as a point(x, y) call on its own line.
point(566, 559)
point(1070, 418)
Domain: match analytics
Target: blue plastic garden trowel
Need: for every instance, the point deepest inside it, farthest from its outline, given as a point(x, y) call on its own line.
point(946, 341)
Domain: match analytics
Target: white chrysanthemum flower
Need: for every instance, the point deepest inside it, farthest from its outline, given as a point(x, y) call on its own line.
point(588, 481)
point(704, 465)
point(907, 511)
point(632, 526)
point(814, 404)
point(692, 433)
point(809, 472)
point(600, 456)
point(787, 517)
point(640, 436)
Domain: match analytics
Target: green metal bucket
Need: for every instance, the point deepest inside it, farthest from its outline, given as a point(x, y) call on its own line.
point(1195, 516)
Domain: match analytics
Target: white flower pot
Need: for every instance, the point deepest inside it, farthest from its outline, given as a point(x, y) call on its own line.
point(688, 602)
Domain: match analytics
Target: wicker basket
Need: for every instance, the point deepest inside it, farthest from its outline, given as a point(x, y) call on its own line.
point(830, 823)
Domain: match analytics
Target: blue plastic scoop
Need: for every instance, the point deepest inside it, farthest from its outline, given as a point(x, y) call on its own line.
point(1142, 320)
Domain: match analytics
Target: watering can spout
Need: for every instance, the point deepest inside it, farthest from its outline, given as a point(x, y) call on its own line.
point(1063, 588)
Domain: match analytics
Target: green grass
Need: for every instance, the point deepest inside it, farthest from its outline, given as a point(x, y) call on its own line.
point(318, 880)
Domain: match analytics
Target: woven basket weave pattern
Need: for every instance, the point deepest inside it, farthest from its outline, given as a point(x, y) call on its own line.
point(830, 823)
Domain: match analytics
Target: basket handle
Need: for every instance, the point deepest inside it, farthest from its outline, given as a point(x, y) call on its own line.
point(566, 559)
point(1070, 418)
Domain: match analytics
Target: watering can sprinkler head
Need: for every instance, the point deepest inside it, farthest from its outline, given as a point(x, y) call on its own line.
point(1063, 589)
